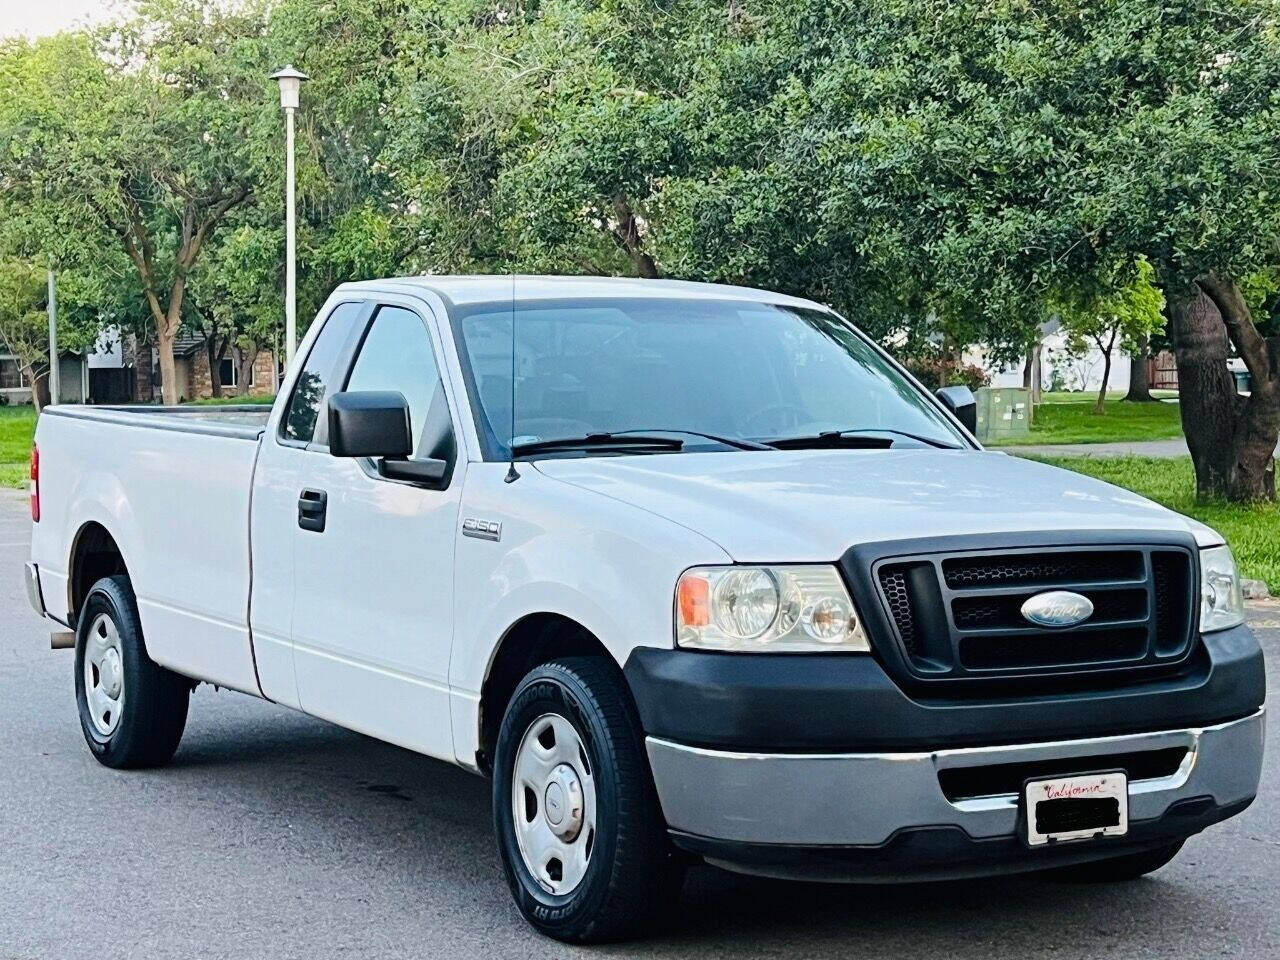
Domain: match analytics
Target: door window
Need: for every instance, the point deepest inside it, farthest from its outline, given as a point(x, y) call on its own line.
point(397, 355)
point(308, 392)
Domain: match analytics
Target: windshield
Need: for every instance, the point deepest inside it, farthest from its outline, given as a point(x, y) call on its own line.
point(726, 368)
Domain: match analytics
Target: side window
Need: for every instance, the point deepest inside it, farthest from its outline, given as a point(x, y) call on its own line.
point(308, 392)
point(397, 355)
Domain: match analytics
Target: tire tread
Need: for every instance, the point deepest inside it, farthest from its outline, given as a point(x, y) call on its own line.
point(155, 710)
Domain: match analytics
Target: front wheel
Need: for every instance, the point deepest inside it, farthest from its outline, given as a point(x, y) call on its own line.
point(579, 829)
point(132, 710)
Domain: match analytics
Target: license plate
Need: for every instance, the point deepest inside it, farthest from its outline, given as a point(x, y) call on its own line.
point(1076, 808)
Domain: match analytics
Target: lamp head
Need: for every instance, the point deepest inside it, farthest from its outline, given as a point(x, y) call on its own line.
point(290, 84)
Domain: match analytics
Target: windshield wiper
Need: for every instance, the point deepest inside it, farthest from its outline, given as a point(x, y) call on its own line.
point(641, 442)
point(740, 443)
point(855, 435)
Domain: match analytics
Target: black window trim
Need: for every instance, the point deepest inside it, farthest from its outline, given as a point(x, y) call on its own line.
point(320, 436)
point(346, 367)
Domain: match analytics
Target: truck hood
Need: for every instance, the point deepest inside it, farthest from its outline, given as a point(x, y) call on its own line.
point(812, 505)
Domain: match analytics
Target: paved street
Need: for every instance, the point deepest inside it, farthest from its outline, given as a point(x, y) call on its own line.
point(274, 835)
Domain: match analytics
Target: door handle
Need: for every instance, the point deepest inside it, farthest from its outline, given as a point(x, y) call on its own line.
point(313, 507)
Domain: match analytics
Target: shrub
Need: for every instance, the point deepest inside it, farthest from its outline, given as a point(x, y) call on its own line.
point(931, 371)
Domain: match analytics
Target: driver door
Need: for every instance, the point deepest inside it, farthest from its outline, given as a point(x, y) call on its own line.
point(373, 566)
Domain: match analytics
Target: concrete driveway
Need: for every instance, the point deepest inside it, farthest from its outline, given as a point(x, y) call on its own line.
point(273, 835)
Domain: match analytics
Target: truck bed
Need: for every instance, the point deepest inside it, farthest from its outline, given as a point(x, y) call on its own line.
point(173, 487)
point(238, 421)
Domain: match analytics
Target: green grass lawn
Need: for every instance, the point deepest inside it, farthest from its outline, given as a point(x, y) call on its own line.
point(17, 425)
point(1252, 531)
point(226, 401)
point(1069, 418)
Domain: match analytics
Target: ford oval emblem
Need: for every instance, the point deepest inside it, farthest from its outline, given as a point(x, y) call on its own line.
point(1057, 608)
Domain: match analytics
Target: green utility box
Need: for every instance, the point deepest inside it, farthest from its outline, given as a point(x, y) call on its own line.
point(1003, 413)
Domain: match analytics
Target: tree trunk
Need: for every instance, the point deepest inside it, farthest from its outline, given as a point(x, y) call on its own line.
point(1107, 350)
point(247, 358)
point(626, 233)
point(1101, 405)
point(1140, 372)
point(215, 352)
point(1031, 375)
point(1232, 438)
point(39, 386)
point(168, 369)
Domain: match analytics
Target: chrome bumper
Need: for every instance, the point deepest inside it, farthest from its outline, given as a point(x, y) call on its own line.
point(863, 799)
point(31, 575)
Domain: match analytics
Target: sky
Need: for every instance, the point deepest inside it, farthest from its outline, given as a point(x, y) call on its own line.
point(38, 17)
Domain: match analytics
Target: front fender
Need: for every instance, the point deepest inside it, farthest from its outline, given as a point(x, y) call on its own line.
point(606, 565)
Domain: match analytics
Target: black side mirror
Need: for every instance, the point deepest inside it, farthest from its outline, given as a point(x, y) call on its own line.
point(369, 423)
point(375, 423)
point(960, 401)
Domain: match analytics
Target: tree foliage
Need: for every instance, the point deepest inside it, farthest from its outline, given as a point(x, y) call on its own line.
point(945, 172)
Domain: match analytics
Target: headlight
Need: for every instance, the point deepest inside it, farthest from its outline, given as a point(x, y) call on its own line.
point(784, 609)
point(1221, 600)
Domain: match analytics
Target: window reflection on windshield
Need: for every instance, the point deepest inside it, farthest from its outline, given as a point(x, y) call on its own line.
point(732, 368)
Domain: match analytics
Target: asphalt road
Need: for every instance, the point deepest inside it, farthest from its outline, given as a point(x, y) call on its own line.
point(275, 835)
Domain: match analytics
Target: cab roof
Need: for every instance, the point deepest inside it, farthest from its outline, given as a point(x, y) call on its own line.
point(467, 290)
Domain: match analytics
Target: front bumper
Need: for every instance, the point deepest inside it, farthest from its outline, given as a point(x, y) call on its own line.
point(884, 816)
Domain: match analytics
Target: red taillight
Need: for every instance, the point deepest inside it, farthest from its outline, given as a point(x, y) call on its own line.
point(35, 484)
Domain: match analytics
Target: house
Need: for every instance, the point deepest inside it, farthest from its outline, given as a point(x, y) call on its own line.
point(73, 372)
point(191, 366)
point(121, 370)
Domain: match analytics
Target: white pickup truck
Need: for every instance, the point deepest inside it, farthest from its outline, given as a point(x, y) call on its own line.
point(689, 571)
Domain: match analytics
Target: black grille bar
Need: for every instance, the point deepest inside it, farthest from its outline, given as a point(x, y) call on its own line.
point(958, 616)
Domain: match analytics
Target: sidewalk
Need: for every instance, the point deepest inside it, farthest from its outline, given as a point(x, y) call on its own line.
point(1135, 448)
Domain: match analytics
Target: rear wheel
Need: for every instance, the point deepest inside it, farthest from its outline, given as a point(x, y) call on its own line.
point(579, 829)
point(1131, 866)
point(132, 711)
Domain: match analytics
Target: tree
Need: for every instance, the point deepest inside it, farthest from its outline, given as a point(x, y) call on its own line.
point(24, 325)
point(143, 131)
point(1124, 315)
point(997, 153)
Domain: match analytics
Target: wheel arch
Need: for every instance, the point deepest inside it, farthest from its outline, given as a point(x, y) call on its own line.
point(95, 553)
point(534, 639)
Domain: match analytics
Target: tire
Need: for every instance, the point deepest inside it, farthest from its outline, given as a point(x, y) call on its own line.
point(1130, 866)
point(631, 875)
point(132, 711)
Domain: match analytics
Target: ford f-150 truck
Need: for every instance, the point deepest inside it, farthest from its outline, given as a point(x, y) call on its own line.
point(689, 571)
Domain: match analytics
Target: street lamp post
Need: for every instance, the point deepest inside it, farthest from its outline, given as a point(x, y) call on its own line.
point(290, 84)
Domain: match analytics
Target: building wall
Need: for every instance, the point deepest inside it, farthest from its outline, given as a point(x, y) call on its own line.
point(199, 384)
point(1079, 373)
point(71, 386)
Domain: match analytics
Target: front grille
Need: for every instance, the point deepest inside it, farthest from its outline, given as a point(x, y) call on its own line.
point(958, 616)
point(894, 585)
point(1035, 571)
point(967, 783)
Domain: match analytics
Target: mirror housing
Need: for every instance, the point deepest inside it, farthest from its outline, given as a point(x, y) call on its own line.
point(960, 401)
point(376, 424)
point(369, 423)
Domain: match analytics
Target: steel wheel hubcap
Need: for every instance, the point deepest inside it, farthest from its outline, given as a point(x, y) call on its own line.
point(103, 675)
point(553, 803)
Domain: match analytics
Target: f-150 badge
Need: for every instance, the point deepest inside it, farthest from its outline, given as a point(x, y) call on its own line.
point(482, 529)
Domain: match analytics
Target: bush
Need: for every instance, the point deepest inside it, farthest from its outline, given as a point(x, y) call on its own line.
point(930, 371)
